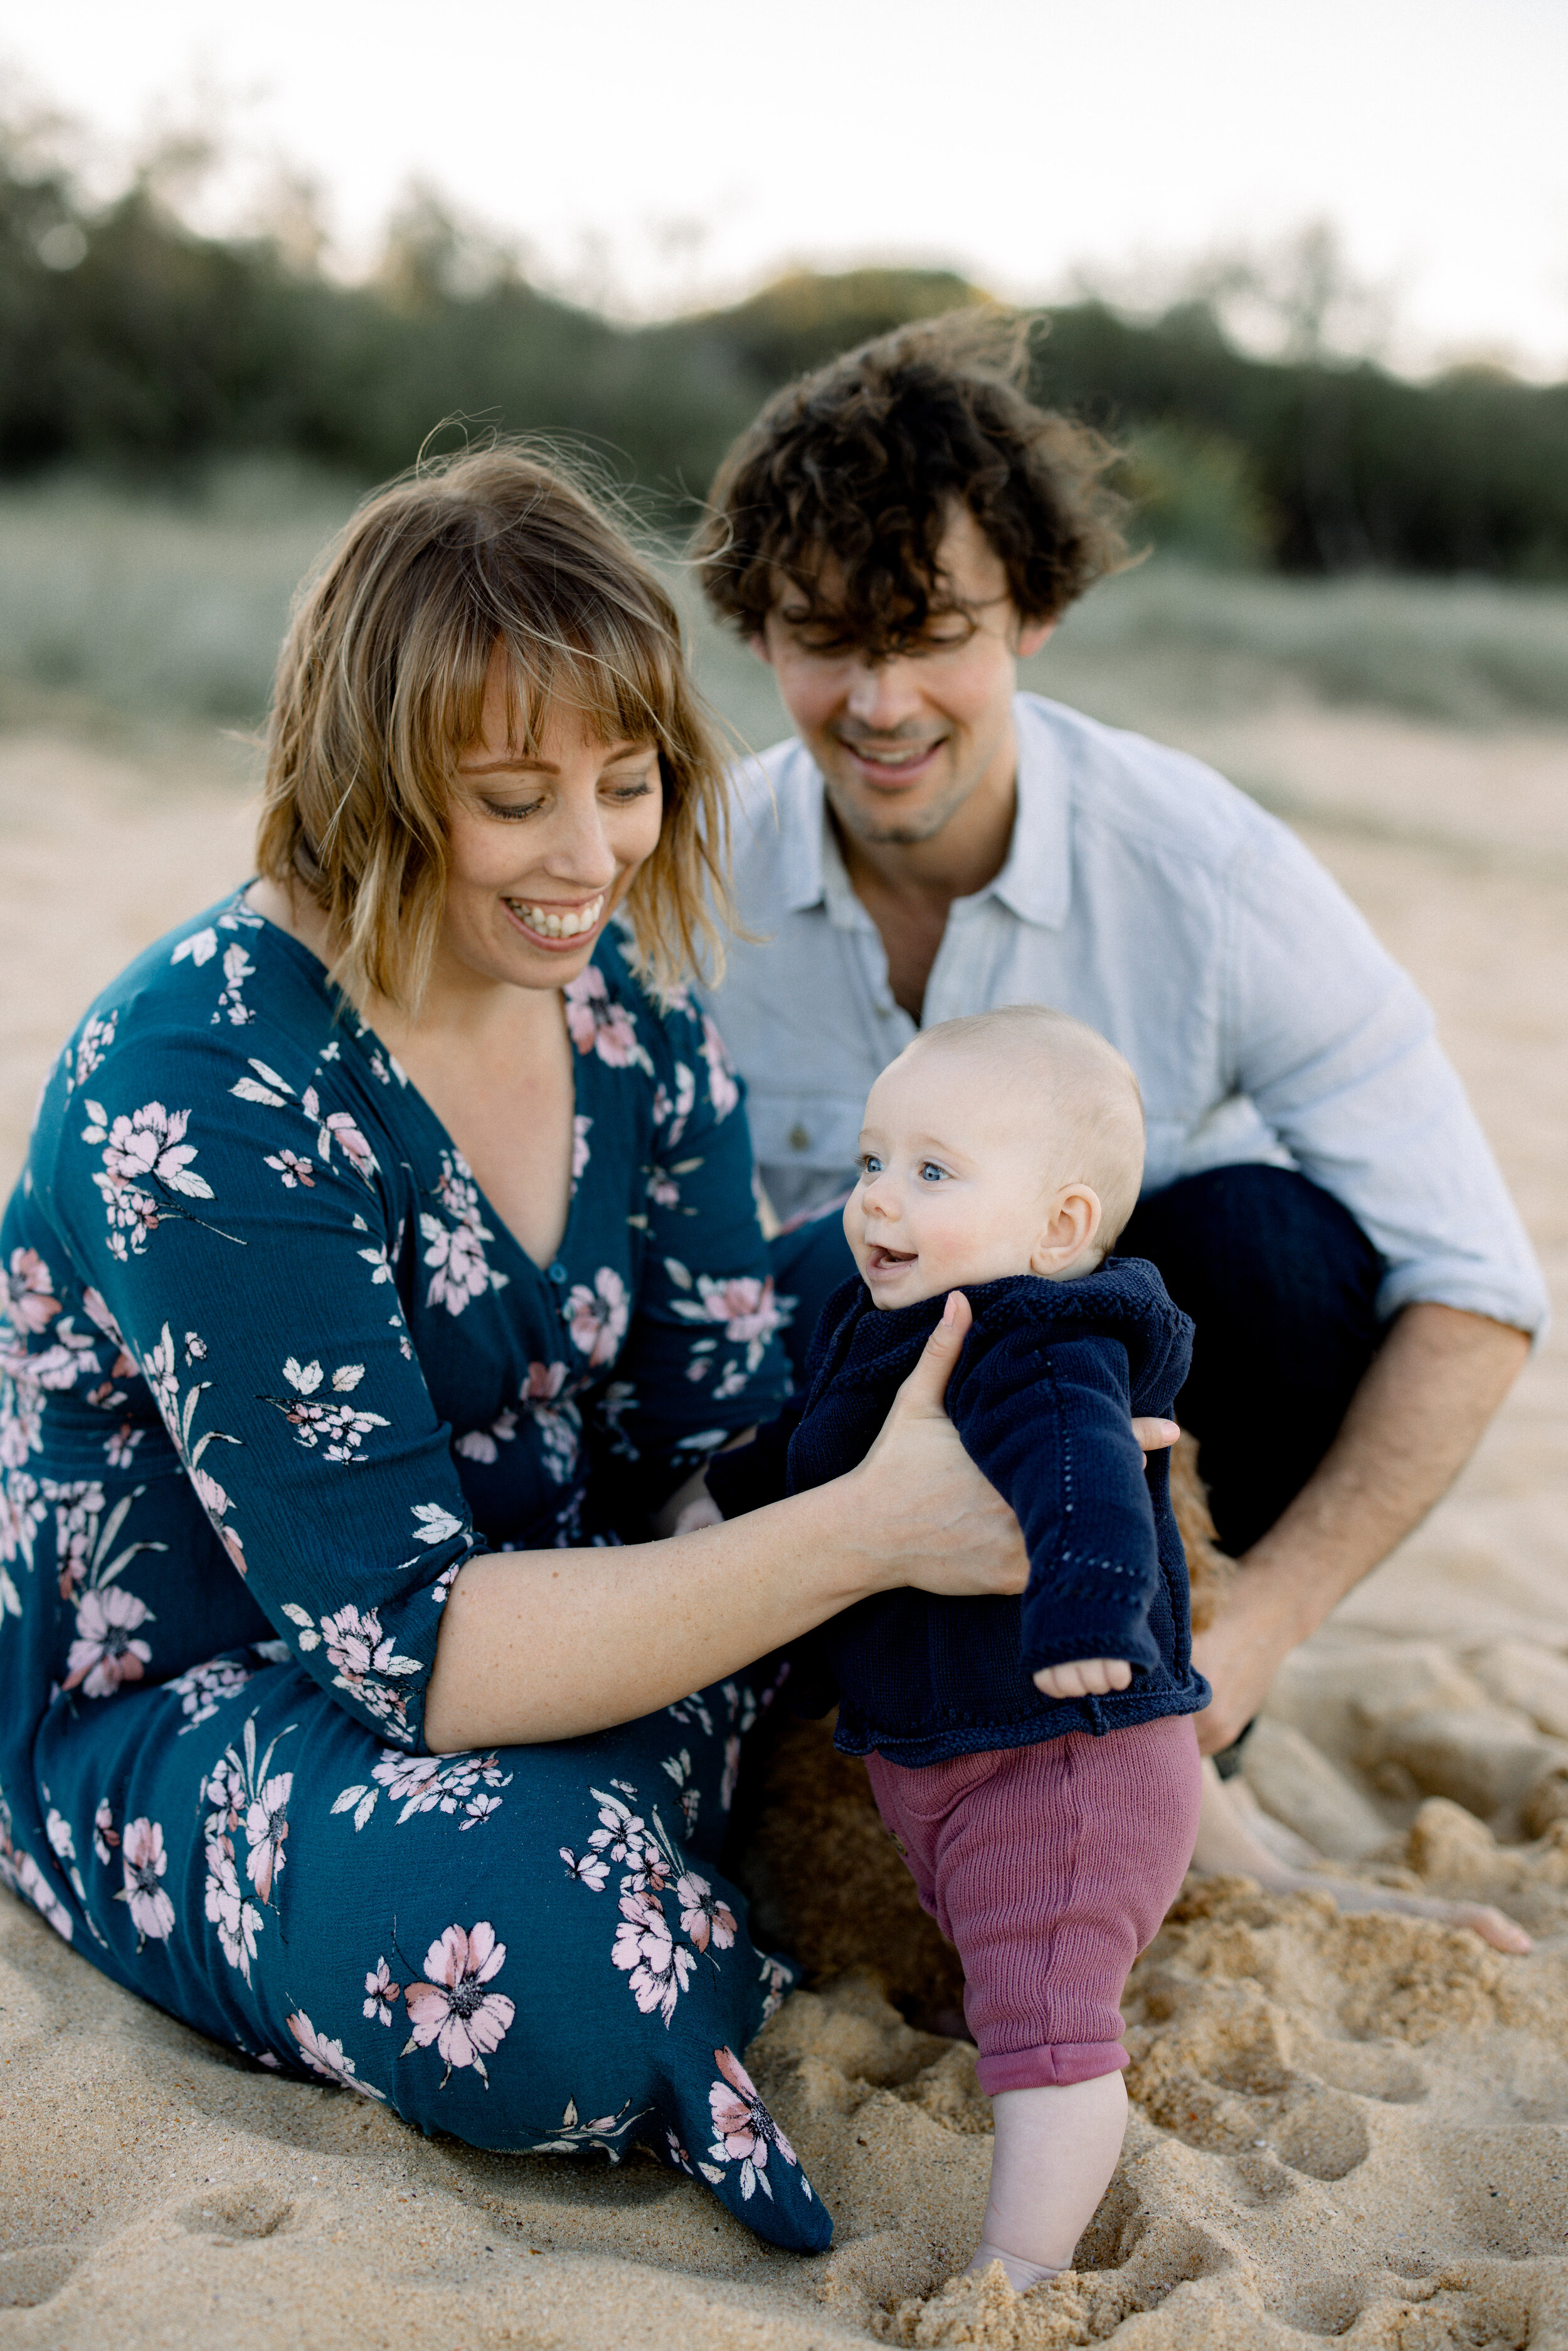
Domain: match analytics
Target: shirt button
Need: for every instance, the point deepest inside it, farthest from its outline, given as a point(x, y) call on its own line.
point(798, 1138)
point(557, 1272)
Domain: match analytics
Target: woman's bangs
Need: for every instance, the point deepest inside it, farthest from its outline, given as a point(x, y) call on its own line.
point(625, 683)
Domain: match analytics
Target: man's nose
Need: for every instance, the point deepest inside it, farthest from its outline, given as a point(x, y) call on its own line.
point(881, 694)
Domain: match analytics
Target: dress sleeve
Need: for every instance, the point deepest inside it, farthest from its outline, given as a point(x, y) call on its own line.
point(1051, 1427)
point(237, 1228)
point(703, 1356)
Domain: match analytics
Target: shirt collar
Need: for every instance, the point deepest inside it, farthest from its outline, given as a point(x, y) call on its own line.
point(1035, 882)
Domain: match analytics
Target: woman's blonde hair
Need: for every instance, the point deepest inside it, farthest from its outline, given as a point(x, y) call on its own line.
point(380, 685)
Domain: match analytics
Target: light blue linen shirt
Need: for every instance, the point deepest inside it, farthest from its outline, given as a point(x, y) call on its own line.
point(1155, 901)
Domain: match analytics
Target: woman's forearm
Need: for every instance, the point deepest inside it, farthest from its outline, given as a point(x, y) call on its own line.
point(546, 1644)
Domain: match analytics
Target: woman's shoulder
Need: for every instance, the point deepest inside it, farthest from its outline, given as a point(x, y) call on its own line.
point(225, 969)
point(613, 1012)
point(218, 998)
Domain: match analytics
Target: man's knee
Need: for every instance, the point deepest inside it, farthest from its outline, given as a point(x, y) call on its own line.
point(1263, 1242)
point(1281, 1284)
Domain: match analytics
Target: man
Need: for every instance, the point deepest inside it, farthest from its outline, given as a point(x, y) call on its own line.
point(891, 536)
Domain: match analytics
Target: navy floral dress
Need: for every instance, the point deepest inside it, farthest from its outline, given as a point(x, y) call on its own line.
point(270, 1371)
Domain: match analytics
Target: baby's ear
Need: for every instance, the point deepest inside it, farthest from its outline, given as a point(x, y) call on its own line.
point(1074, 1218)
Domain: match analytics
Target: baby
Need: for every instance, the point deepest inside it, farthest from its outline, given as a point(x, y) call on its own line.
point(1030, 1757)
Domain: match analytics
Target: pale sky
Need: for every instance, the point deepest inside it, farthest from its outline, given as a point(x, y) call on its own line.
point(661, 151)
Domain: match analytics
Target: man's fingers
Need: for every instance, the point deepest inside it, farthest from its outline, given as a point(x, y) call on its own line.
point(1153, 1435)
point(927, 1383)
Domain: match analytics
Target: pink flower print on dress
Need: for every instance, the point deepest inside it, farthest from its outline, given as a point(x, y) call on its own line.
point(597, 1318)
point(151, 1143)
point(659, 1970)
point(294, 1170)
point(596, 1024)
point(325, 2056)
point(744, 2130)
point(580, 1127)
point(236, 1919)
point(120, 1449)
point(458, 1255)
point(105, 1652)
point(339, 1128)
point(744, 1304)
point(704, 1918)
point(26, 1292)
point(265, 1826)
point(381, 1992)
point(97, 1307)
point(723, 1091)
point(145, 1861)
point(452, 2009)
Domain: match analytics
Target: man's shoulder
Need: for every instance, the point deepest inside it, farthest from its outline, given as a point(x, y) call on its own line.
point(775, 829)
point(769, 788)
point(1147, 793)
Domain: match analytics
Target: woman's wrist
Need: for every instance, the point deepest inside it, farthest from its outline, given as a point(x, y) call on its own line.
point(835, 1530)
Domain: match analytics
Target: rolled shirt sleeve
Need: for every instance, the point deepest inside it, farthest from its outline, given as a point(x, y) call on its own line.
point(1338, 1051)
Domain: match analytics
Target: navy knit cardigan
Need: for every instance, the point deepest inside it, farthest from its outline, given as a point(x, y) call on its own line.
point(1042, 1396)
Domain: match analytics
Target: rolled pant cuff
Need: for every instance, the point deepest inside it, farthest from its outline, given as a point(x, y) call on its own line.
point(1052, 2067)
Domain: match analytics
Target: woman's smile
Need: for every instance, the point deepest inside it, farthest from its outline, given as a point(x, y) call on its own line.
point(554, 925)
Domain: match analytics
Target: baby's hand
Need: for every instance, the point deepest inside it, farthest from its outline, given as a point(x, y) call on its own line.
point(1085, 1677)
point(701, 1512)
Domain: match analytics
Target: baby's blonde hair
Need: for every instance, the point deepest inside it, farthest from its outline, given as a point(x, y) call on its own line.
point(1076, 1077)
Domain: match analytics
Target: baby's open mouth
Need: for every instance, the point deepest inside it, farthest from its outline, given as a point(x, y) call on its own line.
point(886, 1260)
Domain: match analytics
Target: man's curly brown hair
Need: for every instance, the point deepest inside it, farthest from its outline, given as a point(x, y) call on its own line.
point(861, 463)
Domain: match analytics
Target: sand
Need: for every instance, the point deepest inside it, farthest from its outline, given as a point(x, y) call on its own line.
point(1352, 2126)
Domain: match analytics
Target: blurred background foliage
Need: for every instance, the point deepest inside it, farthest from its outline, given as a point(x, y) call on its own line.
point(185, 418)
point(130, 344)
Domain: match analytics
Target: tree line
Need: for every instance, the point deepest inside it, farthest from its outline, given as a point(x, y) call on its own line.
point(133, 345)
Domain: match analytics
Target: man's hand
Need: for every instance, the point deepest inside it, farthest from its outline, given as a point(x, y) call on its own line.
point(1085, 1677)
point(1413, 1424)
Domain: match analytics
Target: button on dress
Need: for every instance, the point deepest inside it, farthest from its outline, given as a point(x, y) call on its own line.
point(271, 1369)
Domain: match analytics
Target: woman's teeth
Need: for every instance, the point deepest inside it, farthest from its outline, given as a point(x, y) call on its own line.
point(552, 924)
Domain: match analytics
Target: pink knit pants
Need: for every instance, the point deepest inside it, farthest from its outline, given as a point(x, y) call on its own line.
point(1051, 1868)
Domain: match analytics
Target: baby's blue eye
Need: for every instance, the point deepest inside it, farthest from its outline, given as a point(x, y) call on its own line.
point(870, 1163)
point(930, 1173)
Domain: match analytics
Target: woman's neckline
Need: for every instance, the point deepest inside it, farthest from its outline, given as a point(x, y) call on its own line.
point(359, 1030)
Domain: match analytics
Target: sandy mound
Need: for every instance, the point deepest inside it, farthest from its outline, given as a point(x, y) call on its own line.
point(1348, 2127)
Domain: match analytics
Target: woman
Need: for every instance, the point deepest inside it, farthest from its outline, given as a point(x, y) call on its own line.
point(386, 1258)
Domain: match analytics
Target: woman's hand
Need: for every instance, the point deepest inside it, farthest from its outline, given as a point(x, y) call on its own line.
point(917, 1511)
point(554, 1645)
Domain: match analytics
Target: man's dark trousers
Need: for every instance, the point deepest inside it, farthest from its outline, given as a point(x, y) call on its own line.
point(1281, 1283)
